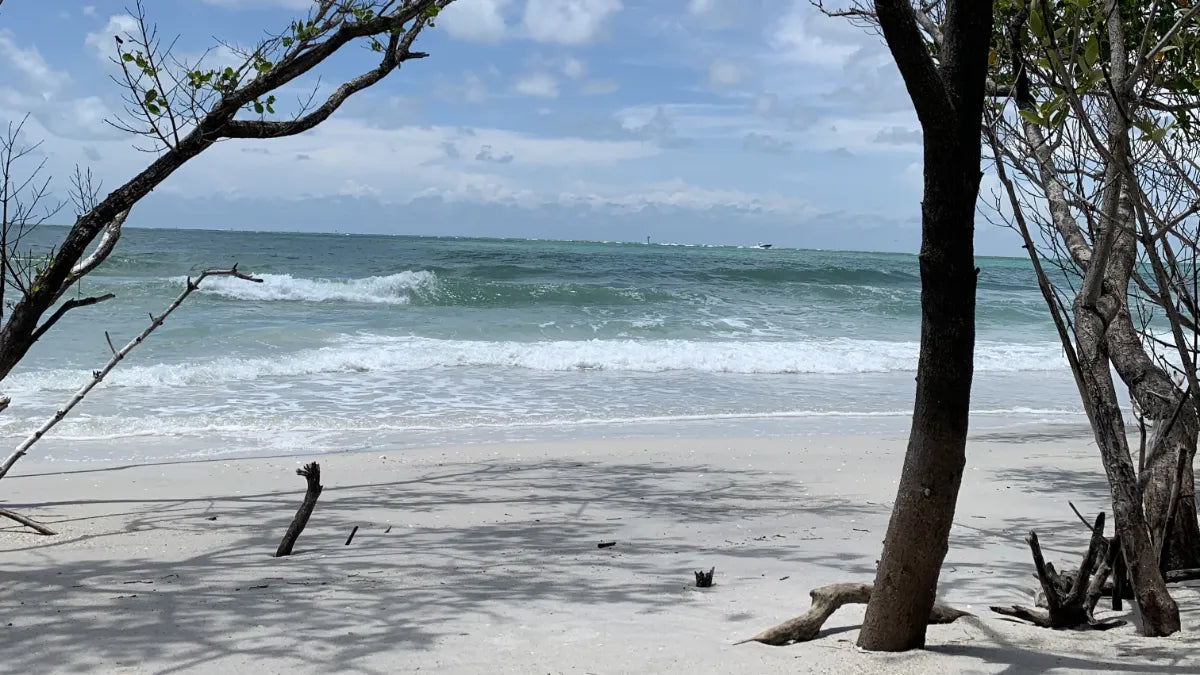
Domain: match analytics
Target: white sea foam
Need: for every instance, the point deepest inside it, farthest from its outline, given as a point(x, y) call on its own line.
point(250, 423)
point(367, 353)
point(393, 289)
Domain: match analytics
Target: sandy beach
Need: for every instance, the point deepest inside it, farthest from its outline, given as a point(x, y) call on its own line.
point(484, 559)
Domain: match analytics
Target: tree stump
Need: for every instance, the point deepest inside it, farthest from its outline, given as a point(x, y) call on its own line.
point(825, 601)
point(1070, 602)
point(705, 579)
point(312, 474)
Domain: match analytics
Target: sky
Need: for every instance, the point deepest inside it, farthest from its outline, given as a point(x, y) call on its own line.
point(697, 121)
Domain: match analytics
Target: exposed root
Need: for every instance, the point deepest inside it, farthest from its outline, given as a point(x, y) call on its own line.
point(825, 601)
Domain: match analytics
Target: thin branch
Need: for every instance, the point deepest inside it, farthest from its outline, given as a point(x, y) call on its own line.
point(99, 375)
point(32, 524)
point(67, 306)
point(108, 241)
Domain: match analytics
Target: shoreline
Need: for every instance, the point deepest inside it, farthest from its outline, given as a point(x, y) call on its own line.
point(151, 448)
point(491, 562)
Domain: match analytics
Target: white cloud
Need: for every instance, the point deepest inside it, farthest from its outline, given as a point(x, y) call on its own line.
point(725, 73)
point(89, 10)
point(860, 134)
point(29, 62)
point(102, 40)
point(487, 154)
point(573, 68)
point(569, 22)
point(475, 20)
point(681, 194)
point(804, 35)
point(719, 13)
point(537, 84)
point(767, 143)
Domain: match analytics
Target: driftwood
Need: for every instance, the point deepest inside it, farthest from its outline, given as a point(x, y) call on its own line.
point(825, 601)
point(1070, 601)
point(705, 579)
point(32, 524)
point(351, 537)
point(312, 474)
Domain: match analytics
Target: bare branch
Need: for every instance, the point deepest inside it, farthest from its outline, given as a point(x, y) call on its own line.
point(99, 375)
point(66, 307)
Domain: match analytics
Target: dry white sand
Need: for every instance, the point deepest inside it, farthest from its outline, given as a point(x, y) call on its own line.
point(491, 564)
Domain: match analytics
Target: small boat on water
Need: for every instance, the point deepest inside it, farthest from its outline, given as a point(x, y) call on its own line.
point(763, 246)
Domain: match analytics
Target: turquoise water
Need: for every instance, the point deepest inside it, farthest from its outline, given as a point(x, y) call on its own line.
point(361, 342)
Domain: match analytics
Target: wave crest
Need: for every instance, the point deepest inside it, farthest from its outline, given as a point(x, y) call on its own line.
point(393, 289)
point(405, 354)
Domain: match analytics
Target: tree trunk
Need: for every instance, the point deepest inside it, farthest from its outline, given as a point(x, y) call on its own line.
point(1183, 537)
point(1159, 612)
point(949, 103)
point(1158, 396)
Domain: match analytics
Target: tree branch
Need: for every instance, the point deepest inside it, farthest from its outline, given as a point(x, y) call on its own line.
point(898, 22)
point(66, 307)
point(396, 53)
point(32, 524)
point(118, 355)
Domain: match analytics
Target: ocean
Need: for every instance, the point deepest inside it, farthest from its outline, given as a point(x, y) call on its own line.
point(376, 343)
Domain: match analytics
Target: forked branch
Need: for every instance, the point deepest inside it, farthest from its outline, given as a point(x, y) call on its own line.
point(118, 355)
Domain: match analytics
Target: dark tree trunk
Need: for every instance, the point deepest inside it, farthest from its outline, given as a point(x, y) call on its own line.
point(949, 102)
point(1183, 537)
point(1159, 612)
point(1157, 394)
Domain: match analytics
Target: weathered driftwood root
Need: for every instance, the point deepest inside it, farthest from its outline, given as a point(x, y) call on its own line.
point(32, 524)
point(825, 601)
point(1070, 602)
point(312, 474)
point(705, 579)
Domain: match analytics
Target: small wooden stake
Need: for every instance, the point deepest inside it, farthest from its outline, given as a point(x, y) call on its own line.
point(312, 474)
point(351, 537)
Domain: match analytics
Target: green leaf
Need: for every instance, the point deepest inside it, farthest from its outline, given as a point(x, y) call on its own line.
point(1032, 117)
point(258, 107)
point(151, 96)
point(1091, 52)
point(1036, 24)
point(127, 57)
point(153, 109)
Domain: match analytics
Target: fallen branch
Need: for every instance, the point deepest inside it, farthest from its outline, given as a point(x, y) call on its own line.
point(1070, 601)
point(117, 356)
point(825, 601)
point(312, 474)
point(32, 524)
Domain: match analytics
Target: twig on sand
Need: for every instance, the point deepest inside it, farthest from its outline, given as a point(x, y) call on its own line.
point(32, 524)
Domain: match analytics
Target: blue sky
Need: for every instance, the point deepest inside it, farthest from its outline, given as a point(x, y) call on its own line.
point(709, 121)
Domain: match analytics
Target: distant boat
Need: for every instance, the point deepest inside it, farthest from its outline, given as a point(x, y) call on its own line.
point(763, 246)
